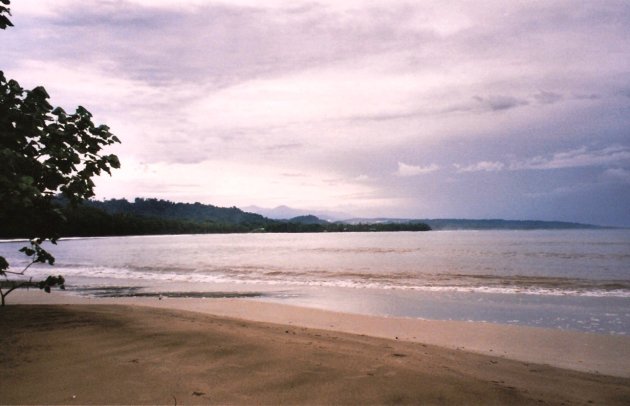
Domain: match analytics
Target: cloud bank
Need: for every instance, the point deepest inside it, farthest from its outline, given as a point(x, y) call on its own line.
point(376, 104)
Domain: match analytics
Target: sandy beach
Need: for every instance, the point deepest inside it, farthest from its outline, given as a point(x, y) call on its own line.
point(225, 351)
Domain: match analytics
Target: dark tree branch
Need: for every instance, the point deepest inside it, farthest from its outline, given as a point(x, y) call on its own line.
point(22, 271)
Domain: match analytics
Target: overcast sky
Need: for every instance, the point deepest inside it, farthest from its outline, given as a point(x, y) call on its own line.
point(425, 109)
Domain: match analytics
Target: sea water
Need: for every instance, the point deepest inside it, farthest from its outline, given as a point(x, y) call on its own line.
point(570, 279)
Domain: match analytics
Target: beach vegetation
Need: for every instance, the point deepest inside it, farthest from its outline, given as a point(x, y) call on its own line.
point(44, 153)
point(4, 14)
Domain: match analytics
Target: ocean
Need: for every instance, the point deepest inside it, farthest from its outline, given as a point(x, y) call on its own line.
point(567, 279)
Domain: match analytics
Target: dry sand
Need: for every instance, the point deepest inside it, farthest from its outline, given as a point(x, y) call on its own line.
point(123, 354)
point(87, 354)
point(595, 353)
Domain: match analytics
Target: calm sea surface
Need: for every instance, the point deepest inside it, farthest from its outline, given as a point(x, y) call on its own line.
point(578, 279)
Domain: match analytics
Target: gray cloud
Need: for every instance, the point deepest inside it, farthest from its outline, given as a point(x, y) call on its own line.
point(617, 174)
point(574, 158)
point(580, 157)
point(544, 97)
point(406, 170)
point(221, 43)
point(497, 103)
point(284, 147)
point(483, 166)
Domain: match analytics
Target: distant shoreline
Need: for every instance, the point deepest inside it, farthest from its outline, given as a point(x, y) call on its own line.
point(86, 237)
point(119, 217)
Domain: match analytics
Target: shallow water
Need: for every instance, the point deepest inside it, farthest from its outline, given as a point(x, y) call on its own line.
point(576, 279)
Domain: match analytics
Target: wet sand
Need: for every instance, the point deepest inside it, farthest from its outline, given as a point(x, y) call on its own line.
point(123, 354)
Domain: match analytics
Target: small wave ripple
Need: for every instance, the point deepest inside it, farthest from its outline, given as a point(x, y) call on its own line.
point(366, 279)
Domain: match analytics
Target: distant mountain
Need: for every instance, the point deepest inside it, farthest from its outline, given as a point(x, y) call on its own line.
point(277, 213)
point(286, 213)
point(479, 224)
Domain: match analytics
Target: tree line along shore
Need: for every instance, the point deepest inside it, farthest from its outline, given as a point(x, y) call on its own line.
point(119, 217)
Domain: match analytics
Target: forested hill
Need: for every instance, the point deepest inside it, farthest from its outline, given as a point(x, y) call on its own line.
point(194, 212)
point(118, 217)
point(138, 217)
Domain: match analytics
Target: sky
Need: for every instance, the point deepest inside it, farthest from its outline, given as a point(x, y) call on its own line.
point(412, 109)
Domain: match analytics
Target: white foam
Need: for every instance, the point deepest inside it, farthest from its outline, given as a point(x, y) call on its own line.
point(316, 278)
